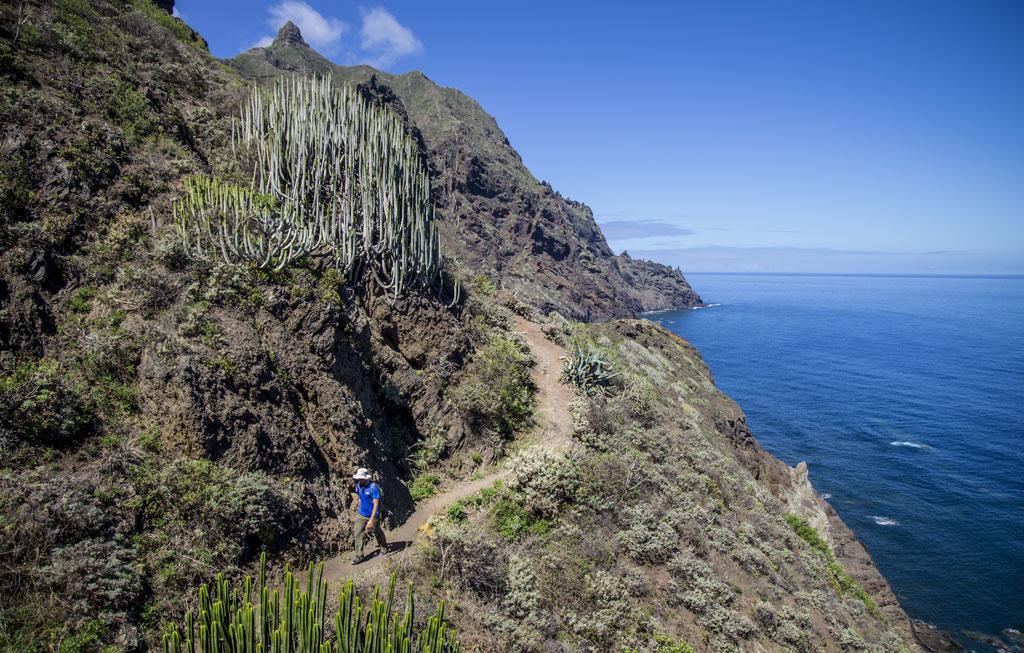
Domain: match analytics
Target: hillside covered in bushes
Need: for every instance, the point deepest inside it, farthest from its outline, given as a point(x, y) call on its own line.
point(209, 318)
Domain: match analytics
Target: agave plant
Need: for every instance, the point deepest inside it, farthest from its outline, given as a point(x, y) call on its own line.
point(586, 371)
point(265, 620)
point(332, 174)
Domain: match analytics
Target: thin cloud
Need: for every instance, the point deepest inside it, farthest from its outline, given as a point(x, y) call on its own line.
point(384, 40)
point(617, 229)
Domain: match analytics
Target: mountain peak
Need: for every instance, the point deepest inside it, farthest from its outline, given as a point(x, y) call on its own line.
point(289, 35)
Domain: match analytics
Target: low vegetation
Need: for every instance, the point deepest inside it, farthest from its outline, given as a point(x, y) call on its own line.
point(651, 536)
point(497, 394)
point(166, 415)
point(588, 372)
point(838, 578)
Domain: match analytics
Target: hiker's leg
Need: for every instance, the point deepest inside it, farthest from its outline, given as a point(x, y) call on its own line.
point(378, 532)
point(359, 527)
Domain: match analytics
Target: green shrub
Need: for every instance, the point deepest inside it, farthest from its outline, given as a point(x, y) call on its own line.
point(497, 392)
point(107, 363)
point(543, 481)
point(429, 451)
point(808, 533)
point(220, 515)
point(329, 286)
point(457, 512)
point(482, 285)
point(18, 192)
point(668, 644)
point(176, 26)
point(94, 155)
point(122, 105)
point(423, 486)
point(512, 520)
point(81, 301)
point(842, 582)
point(40, 406)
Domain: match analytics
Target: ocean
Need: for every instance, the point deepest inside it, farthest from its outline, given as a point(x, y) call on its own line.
point(905, 395)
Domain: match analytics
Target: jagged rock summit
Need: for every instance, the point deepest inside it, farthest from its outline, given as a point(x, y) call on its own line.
point(289, 36)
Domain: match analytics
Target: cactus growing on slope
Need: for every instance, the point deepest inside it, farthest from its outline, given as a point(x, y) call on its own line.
point(332, 174)
point(585, 370)
point(265, 620)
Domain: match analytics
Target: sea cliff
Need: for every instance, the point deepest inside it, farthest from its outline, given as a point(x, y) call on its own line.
point(165, 415)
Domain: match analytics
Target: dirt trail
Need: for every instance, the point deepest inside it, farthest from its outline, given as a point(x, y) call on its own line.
point(553, 431)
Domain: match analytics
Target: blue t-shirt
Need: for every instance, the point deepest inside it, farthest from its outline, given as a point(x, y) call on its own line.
point(367, 493)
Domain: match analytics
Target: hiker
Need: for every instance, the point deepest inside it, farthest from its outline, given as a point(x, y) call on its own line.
point(370, 510)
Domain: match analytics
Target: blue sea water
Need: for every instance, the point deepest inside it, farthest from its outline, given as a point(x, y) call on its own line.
point(905, 395)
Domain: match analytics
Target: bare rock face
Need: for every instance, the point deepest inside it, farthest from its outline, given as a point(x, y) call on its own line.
point(354, 390)
point(934, 640)
point(658, 286)
point(289, 36)
point(496, 218)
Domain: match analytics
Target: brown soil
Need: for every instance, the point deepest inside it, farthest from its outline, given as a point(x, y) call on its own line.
point(553, 431)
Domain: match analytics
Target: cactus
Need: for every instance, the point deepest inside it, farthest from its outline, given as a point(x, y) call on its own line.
point(585, 370)
point(294, 620)
point(332, 175)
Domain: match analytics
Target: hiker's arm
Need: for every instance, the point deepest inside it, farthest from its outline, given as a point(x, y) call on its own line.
point(373, 515)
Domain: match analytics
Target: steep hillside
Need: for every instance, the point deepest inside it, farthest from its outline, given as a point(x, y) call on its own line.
point(163, 415)
point(496, 217)
point(167, 414)
point(665, 528)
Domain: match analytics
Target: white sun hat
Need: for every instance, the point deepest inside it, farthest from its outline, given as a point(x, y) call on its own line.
point(362, 474)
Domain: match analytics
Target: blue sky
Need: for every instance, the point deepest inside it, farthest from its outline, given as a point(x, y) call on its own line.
point(728, 136)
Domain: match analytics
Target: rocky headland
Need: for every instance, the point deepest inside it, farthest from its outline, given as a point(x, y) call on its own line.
point(166, 415)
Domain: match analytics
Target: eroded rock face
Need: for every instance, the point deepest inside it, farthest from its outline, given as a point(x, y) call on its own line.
point(309, 390)
point(495, 216)
point(934, 640)
point(289, 36)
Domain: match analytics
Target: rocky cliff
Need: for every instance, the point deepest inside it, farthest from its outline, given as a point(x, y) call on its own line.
point(164, 416)
point(497, 218)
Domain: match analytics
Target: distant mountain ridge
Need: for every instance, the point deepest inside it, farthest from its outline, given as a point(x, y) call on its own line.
point(495, 216)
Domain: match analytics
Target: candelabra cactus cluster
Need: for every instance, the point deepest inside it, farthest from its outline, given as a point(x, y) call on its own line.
point(332, 175)
point(585, 370)
point(265, 620)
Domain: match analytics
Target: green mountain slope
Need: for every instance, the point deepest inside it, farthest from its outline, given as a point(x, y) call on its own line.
point(165, 416)
point(496, 217)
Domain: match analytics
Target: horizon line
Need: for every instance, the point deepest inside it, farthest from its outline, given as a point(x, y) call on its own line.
point(937, 275)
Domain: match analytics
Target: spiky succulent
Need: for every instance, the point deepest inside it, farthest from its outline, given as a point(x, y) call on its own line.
point(268, 620)
point(587, 371)
point(334, 175)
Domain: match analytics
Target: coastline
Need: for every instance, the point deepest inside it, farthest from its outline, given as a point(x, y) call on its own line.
point(843, 374)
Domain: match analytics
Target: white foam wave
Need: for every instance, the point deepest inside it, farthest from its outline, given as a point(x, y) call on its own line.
point(884, 521)
point(912, 445)
point(826, 496)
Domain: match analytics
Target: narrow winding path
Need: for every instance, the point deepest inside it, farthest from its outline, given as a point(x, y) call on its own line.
point(553, 431)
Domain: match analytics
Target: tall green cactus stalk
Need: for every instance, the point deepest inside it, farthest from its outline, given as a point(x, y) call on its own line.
point(333, 174)
point(294, 620)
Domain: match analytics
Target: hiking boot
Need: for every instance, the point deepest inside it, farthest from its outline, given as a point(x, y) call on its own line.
point(356, 560)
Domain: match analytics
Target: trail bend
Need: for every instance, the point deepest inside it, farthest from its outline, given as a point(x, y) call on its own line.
point(552, 430)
